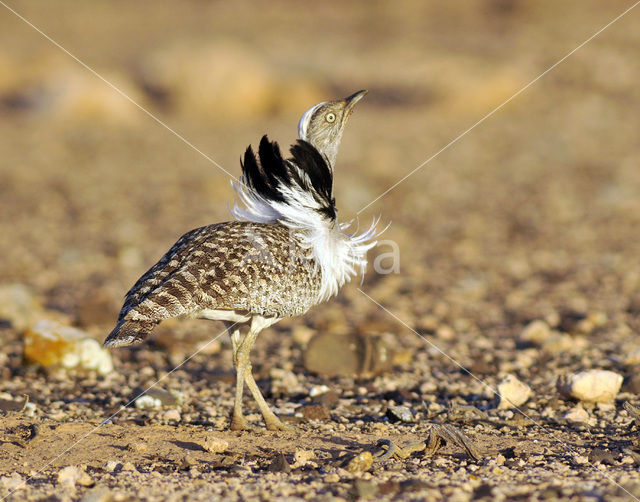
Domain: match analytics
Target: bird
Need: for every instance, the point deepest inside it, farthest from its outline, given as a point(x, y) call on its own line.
point(284, 252)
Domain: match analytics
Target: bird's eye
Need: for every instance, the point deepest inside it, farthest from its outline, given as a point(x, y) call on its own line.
point(330, 117)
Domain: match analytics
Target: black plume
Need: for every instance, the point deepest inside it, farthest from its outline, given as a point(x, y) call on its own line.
point(268, 175)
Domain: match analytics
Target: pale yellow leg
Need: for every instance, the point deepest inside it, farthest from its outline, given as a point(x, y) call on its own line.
point(272, 422)
point(238, 422)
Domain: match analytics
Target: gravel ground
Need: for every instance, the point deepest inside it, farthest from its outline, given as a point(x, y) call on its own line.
point(517, 247)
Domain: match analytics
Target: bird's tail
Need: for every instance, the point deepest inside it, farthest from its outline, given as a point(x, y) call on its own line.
point(129, 332)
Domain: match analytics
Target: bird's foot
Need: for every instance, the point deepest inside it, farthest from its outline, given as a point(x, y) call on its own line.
point(275, 424)
point(238, 423)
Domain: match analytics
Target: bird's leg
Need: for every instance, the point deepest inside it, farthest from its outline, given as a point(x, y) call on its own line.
point(238, 422)
point(272, 422)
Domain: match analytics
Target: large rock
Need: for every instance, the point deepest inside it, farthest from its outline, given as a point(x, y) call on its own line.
point(55, 345)
point(598, 386)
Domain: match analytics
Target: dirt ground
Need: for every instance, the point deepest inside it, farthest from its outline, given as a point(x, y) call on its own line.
point(534, 215)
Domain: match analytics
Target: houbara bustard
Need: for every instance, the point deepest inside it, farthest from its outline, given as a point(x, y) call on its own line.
point(285, 253)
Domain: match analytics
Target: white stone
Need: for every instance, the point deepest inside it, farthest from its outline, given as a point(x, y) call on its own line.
point(71, 476)
point(536, 332)
point(53, 344)
point(172, 416)
point(598, 386)
point(146, 402)
point(576, 415)
point(13, 482)
point(318, 390)
point(215, 445)
point(512, 392)
point(302, 457)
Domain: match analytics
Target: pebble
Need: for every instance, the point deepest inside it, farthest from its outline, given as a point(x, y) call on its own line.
point(328, 399)
point(98, 494)
point(171, 416)
point(71, 476)
point(333, 354)
point(147, 402)
point(318, 390)
point(55, 345)
point(600, 386)
point(360, 463)
point(12, 482)
point(215, 445)
point(331, 478)
point(536, 332)
point(155, 398)
point(283, 381)
point(599, 455)
point(313, 412)
point(112, 466)
point(279, 464)
point(400, 414)
point(302, 457)
point(137, 447)
point(512, 392)
point(576, 415)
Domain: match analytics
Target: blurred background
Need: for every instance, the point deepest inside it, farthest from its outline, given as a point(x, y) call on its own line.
point(534, 214)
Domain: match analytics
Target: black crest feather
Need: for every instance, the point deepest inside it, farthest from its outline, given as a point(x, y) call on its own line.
point(307, 170)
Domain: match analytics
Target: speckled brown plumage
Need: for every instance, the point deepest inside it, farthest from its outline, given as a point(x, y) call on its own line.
point(286, 254)
point(250, 267)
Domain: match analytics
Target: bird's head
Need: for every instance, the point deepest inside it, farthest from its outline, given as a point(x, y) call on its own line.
point(322, 124)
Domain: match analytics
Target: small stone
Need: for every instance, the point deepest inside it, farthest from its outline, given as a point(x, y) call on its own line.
point(137, 447)
point(576, 415)
point(600, 386)
point(302, 457)
point(313, 412)
point(333, 354)
point(598, 455)
point(71, 476)
point(633, 357)
point(364, 489)
point(332, 478)
point(318, 390)
point(485, 490)
point(13, 482)
point(171, 416)
point(329, 399)
point(215, 445)
point(536, 332)
point(412, 485)
point(155, 398)
point(279, 464)
point(55, 345)
point(399, 414)
point(360, 463)
point(147, 402)
point(563, 342)
point(98, 494)
point(580, 459)
point(112, 466)
point(512, 392)
point(187, 463)
point(128, 466)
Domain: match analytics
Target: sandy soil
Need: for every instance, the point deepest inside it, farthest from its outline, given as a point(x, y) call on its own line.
point(533, 215)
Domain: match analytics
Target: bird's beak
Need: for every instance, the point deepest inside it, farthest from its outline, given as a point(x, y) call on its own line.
point(350, 101)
